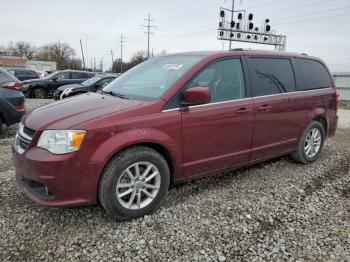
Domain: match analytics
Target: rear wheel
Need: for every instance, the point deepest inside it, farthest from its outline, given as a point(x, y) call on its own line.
point(39, 93)
point(310, 144)
point(134, 183)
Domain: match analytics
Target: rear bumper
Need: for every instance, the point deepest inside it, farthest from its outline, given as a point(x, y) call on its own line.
point(10, 113)
point(56, 180)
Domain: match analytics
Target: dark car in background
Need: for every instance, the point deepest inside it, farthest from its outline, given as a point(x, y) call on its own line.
point(91, 85)
point(44, 88)
point(12, 106)
point(24, 74)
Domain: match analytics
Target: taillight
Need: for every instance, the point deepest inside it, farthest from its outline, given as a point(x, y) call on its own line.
point(19, 107)
point(11, 85)
point(338, 100)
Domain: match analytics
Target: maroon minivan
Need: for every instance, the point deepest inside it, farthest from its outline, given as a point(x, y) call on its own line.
point(170, 119)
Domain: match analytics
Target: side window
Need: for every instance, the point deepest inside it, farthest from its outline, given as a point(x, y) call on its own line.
point(224, 79)
point(63, 75)
point(77, 75)
point(105, 82)
point(271, 76)
point(314, 74)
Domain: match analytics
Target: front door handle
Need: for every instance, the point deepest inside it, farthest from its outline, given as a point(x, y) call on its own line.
point(243, 110)
point(264, 108)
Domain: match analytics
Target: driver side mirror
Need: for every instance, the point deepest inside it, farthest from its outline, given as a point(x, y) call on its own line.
point(196, 96)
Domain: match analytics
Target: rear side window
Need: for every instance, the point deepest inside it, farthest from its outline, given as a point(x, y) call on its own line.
point(314, 74)
point(6, 77)
point(77, 75)
point(271, 76)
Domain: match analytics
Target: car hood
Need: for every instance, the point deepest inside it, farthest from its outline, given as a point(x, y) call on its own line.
point(76, 110)
point(61, 88)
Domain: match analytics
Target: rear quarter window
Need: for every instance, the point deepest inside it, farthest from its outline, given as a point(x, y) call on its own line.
point(6, 77)
point(271, 76)
point(313, 74)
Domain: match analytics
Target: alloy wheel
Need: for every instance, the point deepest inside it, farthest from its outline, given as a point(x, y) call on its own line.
point(138, 185)
point(312, 143)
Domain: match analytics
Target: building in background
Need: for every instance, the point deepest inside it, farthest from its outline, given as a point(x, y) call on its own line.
point(342, 84)
point(10, 62)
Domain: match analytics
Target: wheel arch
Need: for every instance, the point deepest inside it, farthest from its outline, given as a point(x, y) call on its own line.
point(323, 121)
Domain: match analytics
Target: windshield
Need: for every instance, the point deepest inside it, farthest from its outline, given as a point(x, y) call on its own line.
point(91, 81)
point(151, 79)
point(51, 75)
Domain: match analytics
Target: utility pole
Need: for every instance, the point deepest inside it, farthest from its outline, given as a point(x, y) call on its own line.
point(82, 54)
point(148, 32)
point(86, 50)
point(101, 64)
point(94, 63)
point(121, 41)
point(91, 63)
point(112, 59)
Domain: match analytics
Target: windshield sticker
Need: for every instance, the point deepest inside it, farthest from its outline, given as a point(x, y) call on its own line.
point(172, 66)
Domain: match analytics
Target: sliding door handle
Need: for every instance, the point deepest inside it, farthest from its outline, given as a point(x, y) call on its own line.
point(264, 108)
point(242, 111)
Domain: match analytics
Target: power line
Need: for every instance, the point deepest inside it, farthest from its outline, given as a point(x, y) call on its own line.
point(318, 12)
point(112, 18)
point(199, 11)
point(148, 32)
point(314, 19)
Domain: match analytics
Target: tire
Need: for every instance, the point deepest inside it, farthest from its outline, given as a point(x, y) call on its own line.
point(39, 93)
point(116, 174)
point(307, 154)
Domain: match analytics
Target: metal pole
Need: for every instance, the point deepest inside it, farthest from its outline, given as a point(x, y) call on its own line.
point(112, 59)
point(148, 33)
point(82, 54)
point(233, 6)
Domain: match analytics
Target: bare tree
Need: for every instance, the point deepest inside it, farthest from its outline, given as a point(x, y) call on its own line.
point(22, 48)
point(61, 53)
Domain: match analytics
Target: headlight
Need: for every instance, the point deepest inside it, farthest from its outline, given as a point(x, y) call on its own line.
point(25, 85)
point(61, 141)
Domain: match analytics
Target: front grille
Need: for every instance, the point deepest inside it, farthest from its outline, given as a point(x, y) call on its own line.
point(28, 131)
point(23, 138)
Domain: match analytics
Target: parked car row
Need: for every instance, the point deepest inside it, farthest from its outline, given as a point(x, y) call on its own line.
point(46, 87)
point(15, 84)
point(12, 106)
point(91, 85)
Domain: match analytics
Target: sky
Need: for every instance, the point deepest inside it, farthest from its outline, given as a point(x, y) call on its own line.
point(316, 27)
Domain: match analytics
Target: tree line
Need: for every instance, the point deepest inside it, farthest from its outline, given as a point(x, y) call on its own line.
point(61, 53)
point(65, 56)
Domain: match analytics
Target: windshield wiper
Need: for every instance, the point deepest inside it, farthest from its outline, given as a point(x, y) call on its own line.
point(115, 94)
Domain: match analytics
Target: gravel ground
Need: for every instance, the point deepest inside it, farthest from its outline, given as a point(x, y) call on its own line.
point(278, 210)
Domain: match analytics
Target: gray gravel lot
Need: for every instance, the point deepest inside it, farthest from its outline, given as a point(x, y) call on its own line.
point(278, 210)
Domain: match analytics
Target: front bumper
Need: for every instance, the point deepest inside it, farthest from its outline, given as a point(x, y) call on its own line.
point(57, 95)
point(56, 180)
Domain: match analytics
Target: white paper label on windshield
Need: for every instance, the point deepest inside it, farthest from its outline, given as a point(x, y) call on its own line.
point(172, 66)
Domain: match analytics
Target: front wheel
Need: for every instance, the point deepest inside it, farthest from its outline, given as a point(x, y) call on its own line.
point(134, 183)
point(40, 93)
point(310, 144)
